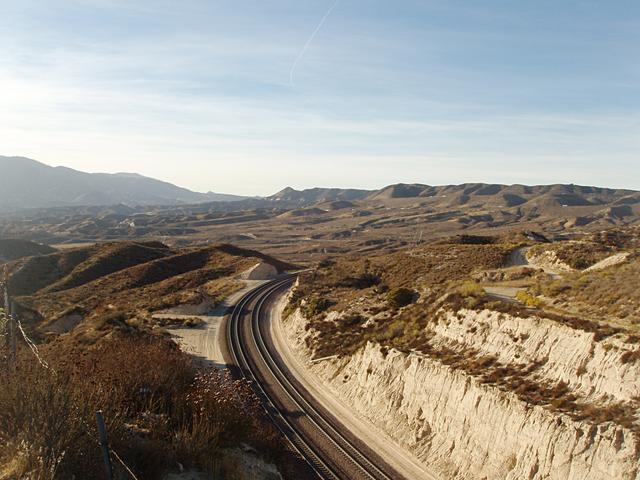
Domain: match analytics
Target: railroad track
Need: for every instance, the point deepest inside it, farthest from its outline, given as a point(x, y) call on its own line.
point(330, 450)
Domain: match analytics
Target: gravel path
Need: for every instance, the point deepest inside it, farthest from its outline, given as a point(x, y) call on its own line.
point(204, 342)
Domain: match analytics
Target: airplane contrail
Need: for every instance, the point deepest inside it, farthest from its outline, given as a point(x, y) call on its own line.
point(306, 45)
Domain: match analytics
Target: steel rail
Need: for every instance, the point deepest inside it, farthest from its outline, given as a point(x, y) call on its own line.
point(240, 359)
point(346, 449)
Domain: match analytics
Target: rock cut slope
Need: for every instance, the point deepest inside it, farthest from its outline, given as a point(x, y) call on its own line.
point(474, 387)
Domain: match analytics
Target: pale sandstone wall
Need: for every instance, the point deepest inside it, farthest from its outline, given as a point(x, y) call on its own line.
point(463, 429)
point(594, 369)
point(260, 271)
point(548, 260)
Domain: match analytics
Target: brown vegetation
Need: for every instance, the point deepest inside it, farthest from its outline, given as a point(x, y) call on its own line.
point(14, 249)
point(523, 383)
point(442, 273)
point(160, 411)
point(449, 278)
point(433, 267)
point(577, 254)
point(612, 292)
point(132, 280)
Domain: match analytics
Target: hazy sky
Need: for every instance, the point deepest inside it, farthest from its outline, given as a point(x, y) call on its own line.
point(445, 91)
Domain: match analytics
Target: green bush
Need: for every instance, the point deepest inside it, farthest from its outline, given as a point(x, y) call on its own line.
point(316, 306)
point(400, 297)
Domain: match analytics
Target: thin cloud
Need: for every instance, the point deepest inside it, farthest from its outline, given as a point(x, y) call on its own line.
point(306, 45)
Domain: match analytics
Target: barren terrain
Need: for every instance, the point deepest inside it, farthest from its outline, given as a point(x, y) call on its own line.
point(450, 320)
point(306, 225)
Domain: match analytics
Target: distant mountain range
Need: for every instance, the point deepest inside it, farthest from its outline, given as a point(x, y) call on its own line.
point(542, 197)
point(26, 183)
point(316, 195)
point(559, 195)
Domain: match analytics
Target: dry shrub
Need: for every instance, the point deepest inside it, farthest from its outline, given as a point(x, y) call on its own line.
point(630, 356)
point(43, 425)
point(527, 299)
point(471, 289)
point(610, 292)
point(159, 410)
point(578, 255)
point(220, 412)
point(400, 297)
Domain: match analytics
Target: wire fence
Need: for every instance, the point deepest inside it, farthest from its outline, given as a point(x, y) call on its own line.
point(123, 465)
point(9, 318)
point(31, 345)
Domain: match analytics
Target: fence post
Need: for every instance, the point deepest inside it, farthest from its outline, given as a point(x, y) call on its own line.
point(104, 443)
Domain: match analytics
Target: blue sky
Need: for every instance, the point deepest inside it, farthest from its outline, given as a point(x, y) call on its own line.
point(199, 92)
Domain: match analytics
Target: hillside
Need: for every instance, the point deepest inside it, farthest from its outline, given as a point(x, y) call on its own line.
point(548, 196)
point(475, 355)
point(317, 195)
point(26, 183)
point(14, 249)
point(125, 280)
point(335, 221)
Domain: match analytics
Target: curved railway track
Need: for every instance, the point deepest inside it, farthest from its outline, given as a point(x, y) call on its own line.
point(332, 451)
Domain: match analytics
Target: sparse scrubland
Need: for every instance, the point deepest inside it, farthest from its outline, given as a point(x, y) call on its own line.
point(381, 286)
point(562, 347)
point(477, 358)
point(160, 411)
point(89, 311)
point(124, 283)
point(578, 254)
point(306, 225)
point(610, 294)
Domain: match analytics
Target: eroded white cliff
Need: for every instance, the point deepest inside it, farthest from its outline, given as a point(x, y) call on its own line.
point(463, 428)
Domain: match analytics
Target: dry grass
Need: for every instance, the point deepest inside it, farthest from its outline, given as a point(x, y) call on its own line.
point(160, 410)
point(432, 267)
point(528, 299)
point(445, 275)
point(442, 273)
point(612, 292)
